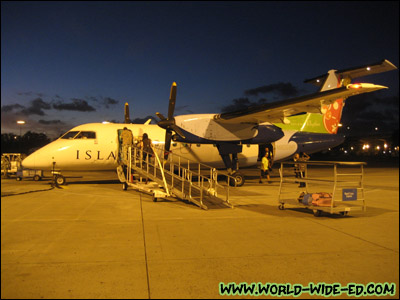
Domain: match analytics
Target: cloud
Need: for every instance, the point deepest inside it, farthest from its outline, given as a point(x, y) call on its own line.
point(11, 107)
point(238, 104)
point(143, 120)
point(36, 107)
point(102, 101)
point(53, 129)
point(76, 105)
point(40, 95)
point(109, 101)
point(183, 108)
point(280, 89)
point(24, 93)
point(50, 122)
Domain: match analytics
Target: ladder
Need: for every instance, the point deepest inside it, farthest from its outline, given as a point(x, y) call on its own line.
point(176, 177)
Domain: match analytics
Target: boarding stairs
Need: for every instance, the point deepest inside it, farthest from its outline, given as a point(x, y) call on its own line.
point(177, 177)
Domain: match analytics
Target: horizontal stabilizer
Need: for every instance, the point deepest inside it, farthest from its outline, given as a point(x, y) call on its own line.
point(380, 67)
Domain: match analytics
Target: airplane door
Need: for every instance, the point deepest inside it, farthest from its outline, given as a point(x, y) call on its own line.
point(119, 144)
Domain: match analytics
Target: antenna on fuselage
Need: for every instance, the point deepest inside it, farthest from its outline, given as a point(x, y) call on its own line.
point(127, 119)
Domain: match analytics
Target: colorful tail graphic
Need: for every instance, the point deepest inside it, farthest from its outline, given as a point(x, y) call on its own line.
point(329, 118)
point(333, 112)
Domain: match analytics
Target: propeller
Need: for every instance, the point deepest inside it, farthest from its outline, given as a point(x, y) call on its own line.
point(169, 123)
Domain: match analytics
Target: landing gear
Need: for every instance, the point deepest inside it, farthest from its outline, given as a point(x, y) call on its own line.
point(229, 155)
point(239, 178)
point(60, 180)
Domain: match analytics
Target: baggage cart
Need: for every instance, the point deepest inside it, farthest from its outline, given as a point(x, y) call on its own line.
point(341, 181)
point(10, 163)
point(26, 173)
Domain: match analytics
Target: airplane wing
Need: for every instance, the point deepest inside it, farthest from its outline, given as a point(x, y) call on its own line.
point(278, 111)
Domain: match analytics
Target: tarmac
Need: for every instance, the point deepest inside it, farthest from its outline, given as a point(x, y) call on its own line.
point(91, 239)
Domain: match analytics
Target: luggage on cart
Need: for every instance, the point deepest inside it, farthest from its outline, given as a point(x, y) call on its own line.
point(321, 199)
point(307, 199)
point(316, 199)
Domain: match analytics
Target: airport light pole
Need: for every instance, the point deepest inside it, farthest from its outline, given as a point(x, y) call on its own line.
point(20, 123)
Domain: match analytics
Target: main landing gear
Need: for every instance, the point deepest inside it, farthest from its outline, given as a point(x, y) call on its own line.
point(229, 156)
point(239, 178)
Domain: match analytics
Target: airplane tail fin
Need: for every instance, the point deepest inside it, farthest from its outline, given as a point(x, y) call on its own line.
point(328, 121)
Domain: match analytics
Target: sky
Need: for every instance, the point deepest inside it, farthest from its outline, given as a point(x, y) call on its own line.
point(69, 63)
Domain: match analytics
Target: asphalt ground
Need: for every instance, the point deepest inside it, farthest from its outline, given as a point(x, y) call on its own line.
point(91, 239)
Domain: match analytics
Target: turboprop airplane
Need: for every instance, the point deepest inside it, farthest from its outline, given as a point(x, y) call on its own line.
point(303, 124)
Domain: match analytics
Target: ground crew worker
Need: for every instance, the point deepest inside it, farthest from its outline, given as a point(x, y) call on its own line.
point(145, 145)
point(300, 169)
point(127, 139)
point(265, 166)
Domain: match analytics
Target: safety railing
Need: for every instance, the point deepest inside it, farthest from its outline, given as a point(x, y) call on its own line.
point(345, 184)
point(179, 177)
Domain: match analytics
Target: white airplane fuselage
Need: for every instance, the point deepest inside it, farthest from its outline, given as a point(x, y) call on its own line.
point(100, 151)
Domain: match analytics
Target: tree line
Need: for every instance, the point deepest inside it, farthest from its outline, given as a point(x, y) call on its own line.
point(25, 144)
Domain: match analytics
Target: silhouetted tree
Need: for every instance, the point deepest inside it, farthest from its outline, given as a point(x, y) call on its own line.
point(30, 141)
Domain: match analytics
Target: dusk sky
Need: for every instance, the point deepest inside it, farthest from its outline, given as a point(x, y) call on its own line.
point(68, 63)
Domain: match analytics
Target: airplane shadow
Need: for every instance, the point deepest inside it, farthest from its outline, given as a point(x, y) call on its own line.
point(299, 212)
point(94, 181)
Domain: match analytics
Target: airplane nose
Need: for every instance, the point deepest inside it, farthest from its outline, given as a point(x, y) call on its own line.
point(29, 162)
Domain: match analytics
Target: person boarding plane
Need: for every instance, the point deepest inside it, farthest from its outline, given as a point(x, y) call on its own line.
point(302, 124)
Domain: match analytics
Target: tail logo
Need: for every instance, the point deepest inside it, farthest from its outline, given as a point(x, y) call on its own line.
point(332, 114)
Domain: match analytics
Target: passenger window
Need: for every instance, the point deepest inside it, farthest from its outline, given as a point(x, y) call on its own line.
point(69, 135)
point(86, 135)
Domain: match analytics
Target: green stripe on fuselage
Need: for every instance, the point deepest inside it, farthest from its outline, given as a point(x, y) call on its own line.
point(310, 122)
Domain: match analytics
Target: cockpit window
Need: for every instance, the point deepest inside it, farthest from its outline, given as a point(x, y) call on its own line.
point(86, 135)
point(70, 135)
point(79, 135)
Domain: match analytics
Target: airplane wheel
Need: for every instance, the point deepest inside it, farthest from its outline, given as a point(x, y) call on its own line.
point(36, 178)
point(19, 178)
point(60, 180)
point(281, 206)
point(344, 213)
point(239, 179)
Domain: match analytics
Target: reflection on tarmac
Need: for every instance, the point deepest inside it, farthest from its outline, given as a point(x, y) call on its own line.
point(91, 239)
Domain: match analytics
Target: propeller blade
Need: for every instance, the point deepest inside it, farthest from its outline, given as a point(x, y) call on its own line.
point(160, 116)
point(167, 145)
point(172, 99)
point(178, 131)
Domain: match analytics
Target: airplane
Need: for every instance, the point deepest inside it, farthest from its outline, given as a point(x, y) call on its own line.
point(228, 140)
